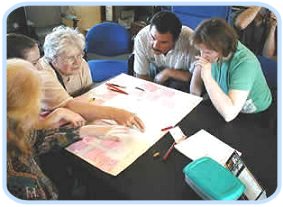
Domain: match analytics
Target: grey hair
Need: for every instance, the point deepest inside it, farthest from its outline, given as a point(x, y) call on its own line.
point(61, 37)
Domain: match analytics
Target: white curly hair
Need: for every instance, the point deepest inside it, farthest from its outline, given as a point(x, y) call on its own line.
point(57, 41)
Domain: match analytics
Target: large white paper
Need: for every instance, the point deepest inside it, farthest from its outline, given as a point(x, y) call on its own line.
point(203, 144)
point(158, 107)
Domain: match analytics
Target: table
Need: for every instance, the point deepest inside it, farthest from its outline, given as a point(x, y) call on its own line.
point(150, 178)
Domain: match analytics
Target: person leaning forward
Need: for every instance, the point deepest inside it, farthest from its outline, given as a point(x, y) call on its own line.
point(64, 72)
point(162, 52)
point(230, 73)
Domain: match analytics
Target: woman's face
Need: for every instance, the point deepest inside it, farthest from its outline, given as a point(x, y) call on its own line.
point(69, 62)
point(32, 55)
point(210, 55)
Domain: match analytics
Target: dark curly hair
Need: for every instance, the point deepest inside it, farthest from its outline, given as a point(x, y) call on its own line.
point(166, 21)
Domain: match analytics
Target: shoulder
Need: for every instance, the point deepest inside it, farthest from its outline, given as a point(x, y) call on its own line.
point(85, 71)
point(183, 43)
point(142, 41)
point(44, 68)
point(85, 66)
point(43, 64)
point(143, 33)
point(243, 54)
point(186, 31)
point(185, 34)
point(243, 60)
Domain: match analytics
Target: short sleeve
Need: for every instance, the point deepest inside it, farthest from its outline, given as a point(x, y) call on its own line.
point(87, 79)
point(243, 75)
point(53, 93)
point(141, 62)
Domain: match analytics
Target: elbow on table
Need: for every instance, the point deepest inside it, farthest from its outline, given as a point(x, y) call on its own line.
point(229, 117)
point(230, 112)
point(195, 91)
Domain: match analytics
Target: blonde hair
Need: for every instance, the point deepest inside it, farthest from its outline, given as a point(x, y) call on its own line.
point(23, 102)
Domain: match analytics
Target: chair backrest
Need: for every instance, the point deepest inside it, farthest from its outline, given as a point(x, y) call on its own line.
point(191, 16)
point(269, 68)
point(108, 39)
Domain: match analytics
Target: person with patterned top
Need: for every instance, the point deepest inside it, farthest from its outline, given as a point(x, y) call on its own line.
point(29, 135)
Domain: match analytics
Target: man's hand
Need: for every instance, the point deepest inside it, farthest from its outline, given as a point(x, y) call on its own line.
point(163, 76)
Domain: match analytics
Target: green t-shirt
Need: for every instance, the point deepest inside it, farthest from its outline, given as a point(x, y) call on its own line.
point(243, 72)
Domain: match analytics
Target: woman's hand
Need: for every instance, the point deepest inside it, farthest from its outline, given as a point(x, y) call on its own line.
point(196, 83)
point(128, 119)
point(103, 132)
point(205, 66)
point(162, 76)
point(74, 118)
point(61, 116)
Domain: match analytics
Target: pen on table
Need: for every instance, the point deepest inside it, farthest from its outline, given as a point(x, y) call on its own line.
point(141, 89)
point(115, 88)
point(169, 151)
point(114, 84)
point(118, 91)
point(167, 128)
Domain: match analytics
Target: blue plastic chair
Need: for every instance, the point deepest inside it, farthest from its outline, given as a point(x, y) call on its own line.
point(107, 40)
point(192, 16)
point(269, 68)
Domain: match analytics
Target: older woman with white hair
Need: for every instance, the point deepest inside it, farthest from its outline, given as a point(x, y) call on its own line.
point(66, 74)
point(63, 54)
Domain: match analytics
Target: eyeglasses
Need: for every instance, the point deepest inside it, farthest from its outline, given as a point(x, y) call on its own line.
point(73, 59)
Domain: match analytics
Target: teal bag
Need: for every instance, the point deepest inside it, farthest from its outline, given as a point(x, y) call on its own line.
point(212, 181)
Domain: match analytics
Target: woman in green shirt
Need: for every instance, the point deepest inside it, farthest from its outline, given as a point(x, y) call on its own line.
point(229, 71)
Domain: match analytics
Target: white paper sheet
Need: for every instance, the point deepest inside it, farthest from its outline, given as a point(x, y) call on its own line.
point(203, 144)
point(158, 107)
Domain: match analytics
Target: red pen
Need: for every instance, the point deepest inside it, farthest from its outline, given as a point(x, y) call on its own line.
point(112, 89)
point(115, 88)
point(167, 128)
point(114, 84)
point(169, 151)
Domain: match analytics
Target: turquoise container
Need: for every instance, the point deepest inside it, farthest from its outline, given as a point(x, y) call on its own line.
point(212, 181)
